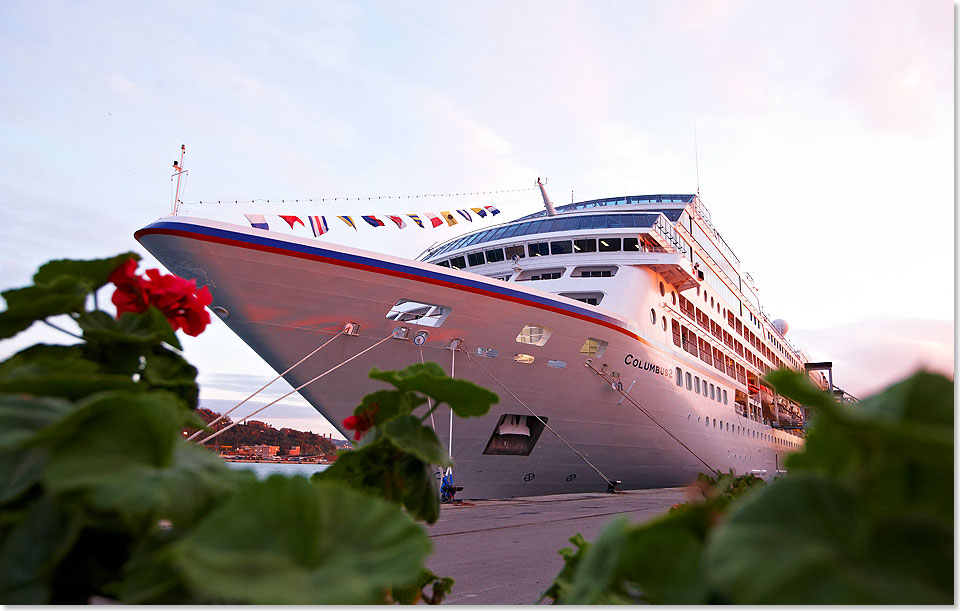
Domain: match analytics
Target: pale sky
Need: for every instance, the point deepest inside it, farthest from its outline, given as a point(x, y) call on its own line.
point(824, 134)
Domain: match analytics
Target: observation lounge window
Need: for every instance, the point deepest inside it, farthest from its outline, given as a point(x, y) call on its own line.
point(564, 247)
point(609, 244)
point(631, 244)
point(538, 249)
point(494, 255)
point(512, 251)
point(585, 245)
point(475, 258)
point(458, 263)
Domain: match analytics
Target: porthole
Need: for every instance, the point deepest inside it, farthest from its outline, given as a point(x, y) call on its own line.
point(523, 358)
point(704, 297)
point(663, 323)
point(711, 302)
point(689, 381)
point(679, 377)
point(662, 290)
point(221, 311)
point(653, 316)
point(673, 297)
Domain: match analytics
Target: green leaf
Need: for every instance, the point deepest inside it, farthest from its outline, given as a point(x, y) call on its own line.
point(287, 541)
point(32, 549)
point(94, 273)
point(146, 327)
point(111, 442)
point(465, 398)
point(23, 416)
point(806, 529)
point(380, 468)
point(30, 304)
point(167, 370)
point(408, 435)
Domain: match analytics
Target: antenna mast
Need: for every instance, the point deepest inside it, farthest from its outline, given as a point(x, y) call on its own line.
point(546, 198)
point(178, 168)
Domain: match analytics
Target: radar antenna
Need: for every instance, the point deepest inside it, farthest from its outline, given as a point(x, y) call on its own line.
point(546, 198)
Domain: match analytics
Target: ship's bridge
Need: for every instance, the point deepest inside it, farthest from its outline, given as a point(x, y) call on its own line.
point(633, 227)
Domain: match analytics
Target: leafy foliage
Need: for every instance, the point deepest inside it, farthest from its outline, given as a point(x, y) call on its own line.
point(101, 497)
point(396, 451)
point(864, 516)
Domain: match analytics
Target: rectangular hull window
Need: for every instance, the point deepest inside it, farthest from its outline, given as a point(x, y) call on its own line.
point(532, 334)
point(593, 347)
point(418, 313)
point(515, 435)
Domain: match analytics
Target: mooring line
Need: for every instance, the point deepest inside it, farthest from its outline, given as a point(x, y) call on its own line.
point(606, 479)
point(636, 404)
point(334, 368)
point(231, 410)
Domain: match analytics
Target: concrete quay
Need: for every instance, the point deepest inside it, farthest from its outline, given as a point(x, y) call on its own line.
point(504, 552)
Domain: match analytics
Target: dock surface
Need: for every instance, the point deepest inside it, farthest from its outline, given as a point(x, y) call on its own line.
point(506, 552)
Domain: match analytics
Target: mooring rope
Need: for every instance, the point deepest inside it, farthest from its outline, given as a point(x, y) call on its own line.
point(636, 404)
point(606, 479)
point(334, 368)
point(429, 400)
point(231, 410)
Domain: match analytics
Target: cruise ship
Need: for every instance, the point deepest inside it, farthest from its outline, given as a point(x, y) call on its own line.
point(624, 341)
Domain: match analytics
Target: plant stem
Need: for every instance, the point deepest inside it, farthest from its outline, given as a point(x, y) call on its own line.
point(61, 329)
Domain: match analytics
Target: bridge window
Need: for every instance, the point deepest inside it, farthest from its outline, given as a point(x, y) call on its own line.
point(443, 263)
point(512, 251)
point(631, 244)
point(458, 263)
point(587, 245)
point(475, 258)
point(609, 244)
point(563, 247)
point(494, 255)
point(538, 249)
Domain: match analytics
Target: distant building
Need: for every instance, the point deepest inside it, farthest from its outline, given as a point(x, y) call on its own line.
point(263, 451)
point(294, 451)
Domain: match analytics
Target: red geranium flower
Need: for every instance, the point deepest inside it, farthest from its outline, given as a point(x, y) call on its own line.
point(361, 422)
point(130, 295)
point(178, 299)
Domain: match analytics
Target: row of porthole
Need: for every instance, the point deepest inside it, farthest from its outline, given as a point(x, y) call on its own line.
point(715, 392)
point(742, 430)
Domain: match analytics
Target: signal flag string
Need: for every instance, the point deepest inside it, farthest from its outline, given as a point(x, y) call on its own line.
point(357, 198)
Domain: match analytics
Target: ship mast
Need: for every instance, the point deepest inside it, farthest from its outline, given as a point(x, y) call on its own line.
point(546, 198)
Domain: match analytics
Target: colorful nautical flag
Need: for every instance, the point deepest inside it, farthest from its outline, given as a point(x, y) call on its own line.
point(374, 221)
point(448, 217)
point(319, 225)
point(434, 219)
point(399, 222)
point(348, 221)
point(465, 215)
point(493, 211)
point(257, 220)
point(480, 212)
point(291, 220)
point(416, 219)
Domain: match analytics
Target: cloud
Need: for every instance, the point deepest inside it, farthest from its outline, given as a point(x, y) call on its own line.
point(870, 355)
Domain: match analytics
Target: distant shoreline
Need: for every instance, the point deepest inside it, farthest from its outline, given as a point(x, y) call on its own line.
point(280, 462)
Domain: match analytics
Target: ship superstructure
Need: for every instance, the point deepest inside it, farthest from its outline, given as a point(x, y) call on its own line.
point(620, 333)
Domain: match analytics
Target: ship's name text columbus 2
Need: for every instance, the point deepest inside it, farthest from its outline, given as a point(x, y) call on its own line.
point(648, 366)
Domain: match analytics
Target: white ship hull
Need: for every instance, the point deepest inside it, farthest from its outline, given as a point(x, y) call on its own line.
point(285, 296)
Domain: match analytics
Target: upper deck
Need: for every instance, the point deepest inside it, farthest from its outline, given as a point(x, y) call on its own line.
point(671, 233)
